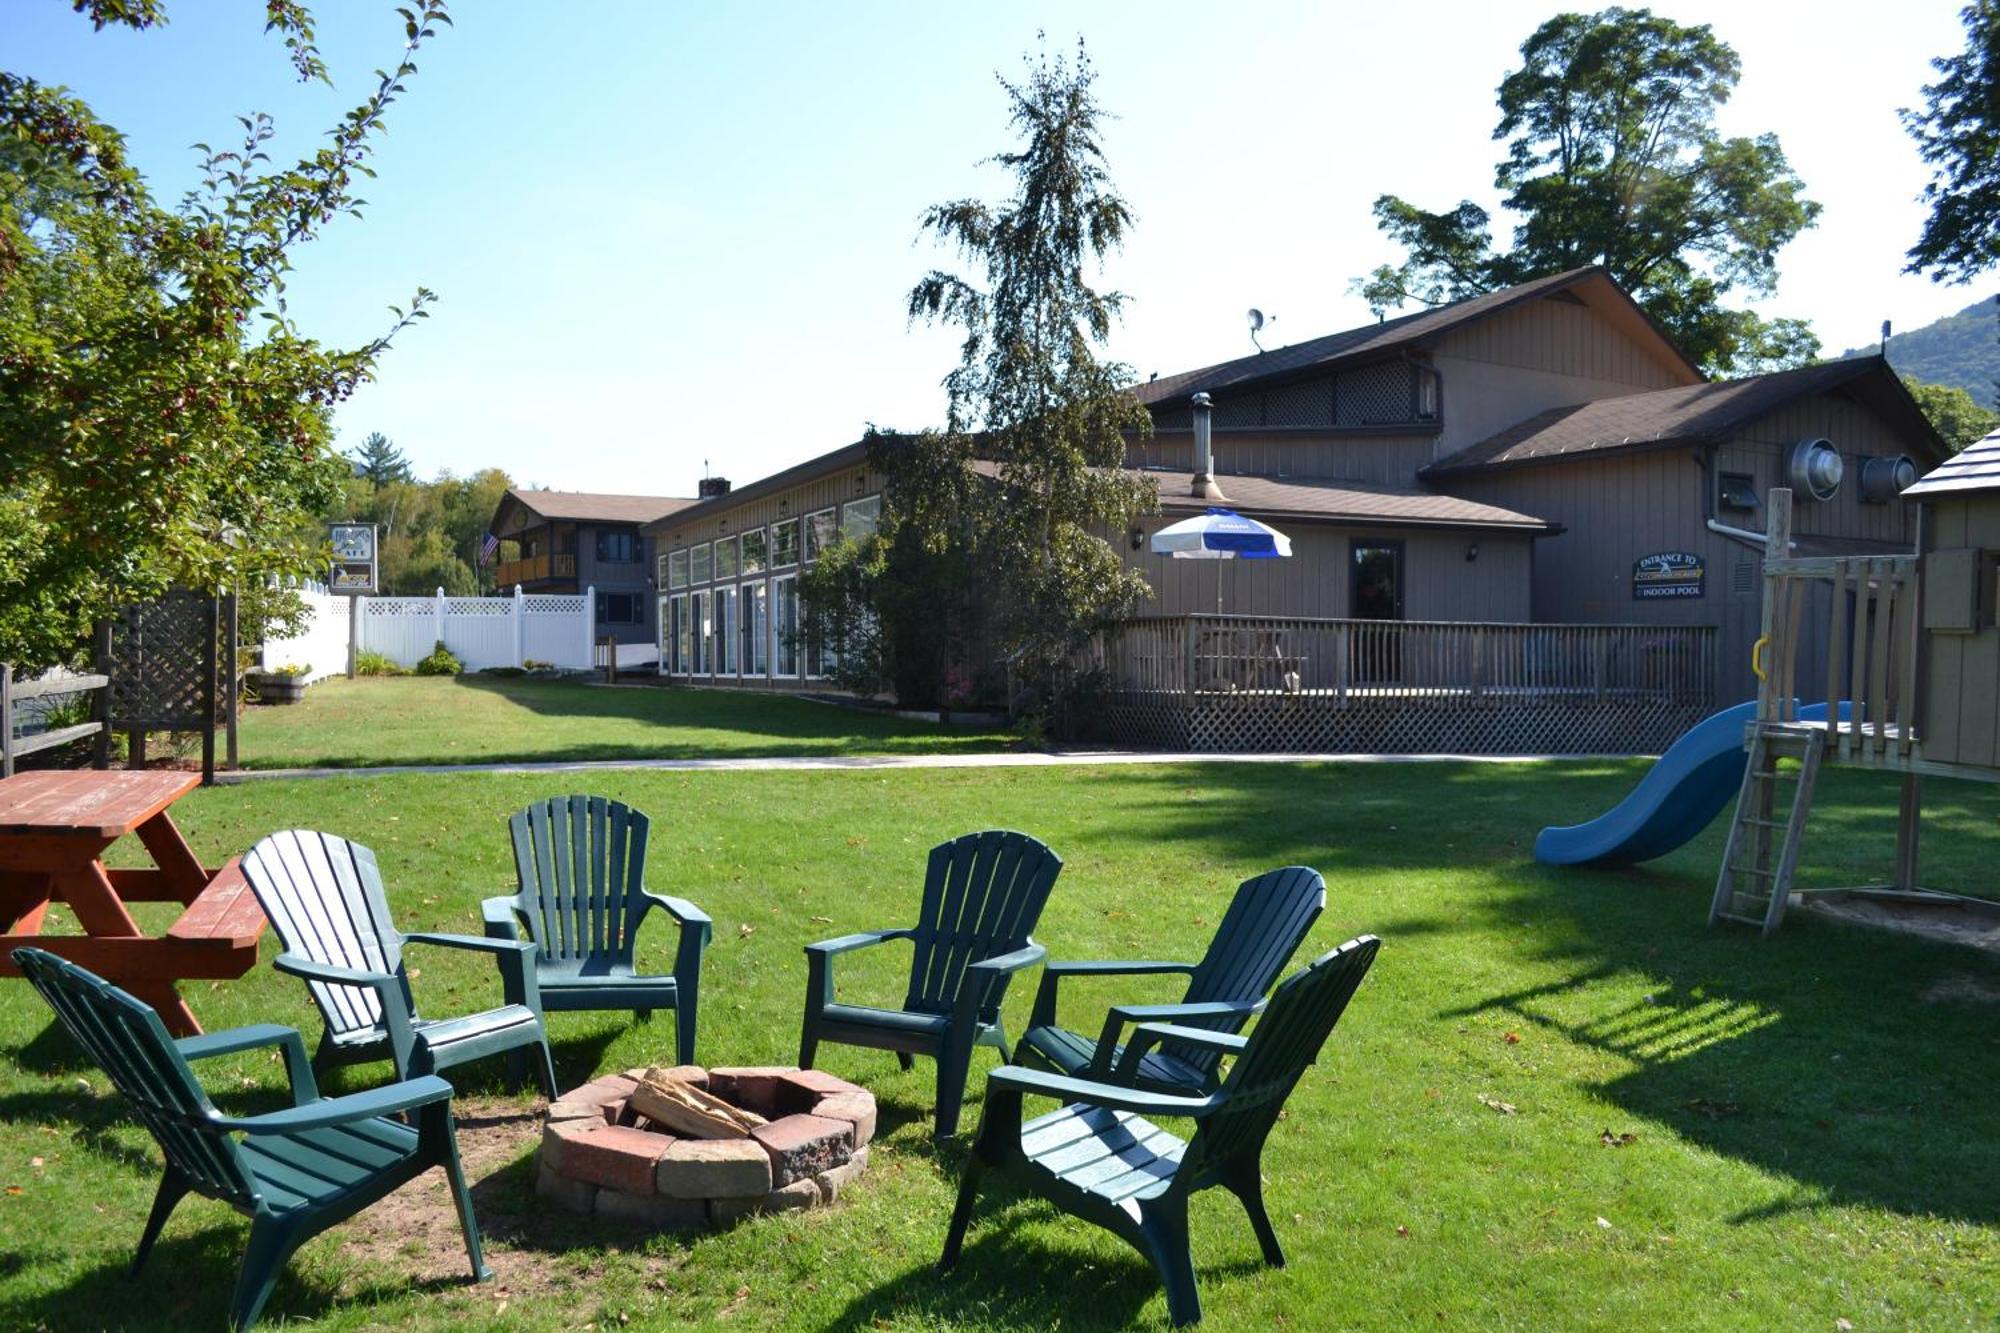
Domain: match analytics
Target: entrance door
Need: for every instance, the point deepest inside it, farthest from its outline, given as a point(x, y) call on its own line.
point(1375, 592)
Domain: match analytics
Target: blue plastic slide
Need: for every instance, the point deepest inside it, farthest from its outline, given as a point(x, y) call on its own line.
point(1685, 790)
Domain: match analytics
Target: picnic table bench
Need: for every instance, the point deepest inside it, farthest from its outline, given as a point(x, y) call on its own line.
point(54, 829)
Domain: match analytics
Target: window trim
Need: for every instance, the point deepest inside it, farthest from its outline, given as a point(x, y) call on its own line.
point(798, 661)
point(875, 522)
point(677, 568)
point(785, 525)
point(602, 535)
point(727, 544)
point(763, 564)
point(695, 553)
point(809, 549)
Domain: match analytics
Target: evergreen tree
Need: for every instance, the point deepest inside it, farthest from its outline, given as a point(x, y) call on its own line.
point(1958, 133)
point(380, 461)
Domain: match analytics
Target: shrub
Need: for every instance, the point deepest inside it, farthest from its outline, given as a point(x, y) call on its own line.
point(368, 662)
point(440, 662)
point(503, 672)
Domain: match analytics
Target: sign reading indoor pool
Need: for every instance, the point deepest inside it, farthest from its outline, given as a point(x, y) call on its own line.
point(1666, 574)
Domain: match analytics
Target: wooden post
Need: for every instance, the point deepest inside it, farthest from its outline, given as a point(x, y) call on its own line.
point(102, 748)
point(232, 647)
point(211, 673)
point(1777, 544)
point(6, 719)
point(353, 631)
point(1906, 832)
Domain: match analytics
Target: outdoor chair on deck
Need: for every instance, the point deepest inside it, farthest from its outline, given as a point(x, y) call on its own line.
point(1265, 924)
point(983, 894)
point(325, 899)
point(1099, 1158)
point(293, 1173)
point(581, 863)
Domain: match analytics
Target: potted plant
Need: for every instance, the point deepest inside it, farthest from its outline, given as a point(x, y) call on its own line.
point(280, 685)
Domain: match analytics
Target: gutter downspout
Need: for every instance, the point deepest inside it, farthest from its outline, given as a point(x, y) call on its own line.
point(1757, 539)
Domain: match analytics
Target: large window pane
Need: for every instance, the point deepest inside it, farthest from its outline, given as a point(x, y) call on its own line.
point(756, 630)
point(785, 543)
point(725, 558)
point(677, 569)
point(784, 627)
point(860, 518)
point(725, 631)
point(754, 554)
point(700, 564)
point(819, 532)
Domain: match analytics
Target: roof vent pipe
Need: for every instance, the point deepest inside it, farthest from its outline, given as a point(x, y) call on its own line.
point(1204, 487)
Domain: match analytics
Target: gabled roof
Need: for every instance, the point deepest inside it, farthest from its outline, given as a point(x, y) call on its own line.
point(1351, 502)
point(1973, 468)
point(693, 511)
point(1375, 341)
point(1695, 414)
point(588, 507)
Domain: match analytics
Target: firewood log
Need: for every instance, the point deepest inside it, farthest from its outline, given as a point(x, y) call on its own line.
point(692, 1112)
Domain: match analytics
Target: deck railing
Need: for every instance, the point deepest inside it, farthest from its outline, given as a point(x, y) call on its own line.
point(1281, 682)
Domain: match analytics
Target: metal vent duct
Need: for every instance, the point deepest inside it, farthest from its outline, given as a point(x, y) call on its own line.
point(1814, 469)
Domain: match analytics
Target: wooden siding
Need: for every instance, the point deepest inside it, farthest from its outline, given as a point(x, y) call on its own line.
point(1442, 583)
point(1385, 459)
point(1571, 339)
point(808, 497)
point(1760, 450)
point(1961, 672)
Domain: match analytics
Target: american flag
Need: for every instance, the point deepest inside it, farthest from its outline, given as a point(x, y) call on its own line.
point(488, 547)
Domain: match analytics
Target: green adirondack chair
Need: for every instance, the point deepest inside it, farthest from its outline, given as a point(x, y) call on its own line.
point(581, 863)
point(1266, 921)
point(983, 894)
point(1101, 1159)
point(293, 1173)
point(325, 899)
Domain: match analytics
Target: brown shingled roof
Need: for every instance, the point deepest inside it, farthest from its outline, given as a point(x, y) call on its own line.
point(1353, 502)
point(587, 507)
point(1973, 468)
point(1687, 414)
point(1370, 341)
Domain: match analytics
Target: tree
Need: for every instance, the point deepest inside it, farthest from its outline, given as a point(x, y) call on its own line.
point(1958, 133)
point(1954, 413)
point(1030, 397)
point(1613, 158)
point(162, 418)
point(380, 461)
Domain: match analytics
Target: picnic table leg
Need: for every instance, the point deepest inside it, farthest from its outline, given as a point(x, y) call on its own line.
point(96, 905)
point(170, 852)
point(173, 1010)
point(24, 898)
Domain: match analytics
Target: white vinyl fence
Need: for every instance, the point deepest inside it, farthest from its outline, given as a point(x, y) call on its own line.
point(556, 628)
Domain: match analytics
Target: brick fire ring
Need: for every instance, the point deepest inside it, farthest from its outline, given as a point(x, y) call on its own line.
point(596, 1160)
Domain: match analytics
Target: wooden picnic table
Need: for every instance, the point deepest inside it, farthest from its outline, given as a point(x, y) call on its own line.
point(54, 828)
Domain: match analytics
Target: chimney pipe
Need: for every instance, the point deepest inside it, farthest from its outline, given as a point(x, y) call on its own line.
point(1204, 486)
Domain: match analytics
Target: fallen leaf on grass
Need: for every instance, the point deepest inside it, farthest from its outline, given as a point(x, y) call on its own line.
point(1495, 1104)
point(1511, 1038)
point(13, 1189)
point(1844, 1325)
point(742, 1295)
point(1610, 1140)
point(1713, 1110)
point(35, 1162)
point(821, 920)
point(1604, 1222)
point(1404, 1232)
point(746, 930)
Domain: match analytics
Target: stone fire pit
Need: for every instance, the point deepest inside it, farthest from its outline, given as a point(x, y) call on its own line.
point(600, 1157)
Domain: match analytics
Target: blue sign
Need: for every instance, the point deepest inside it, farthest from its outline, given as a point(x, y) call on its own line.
point(1667, 574)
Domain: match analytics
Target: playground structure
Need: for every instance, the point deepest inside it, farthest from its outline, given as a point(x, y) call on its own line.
point(1911, 682)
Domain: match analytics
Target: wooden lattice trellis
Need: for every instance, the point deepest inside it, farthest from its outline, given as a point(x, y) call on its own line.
point(171, 665)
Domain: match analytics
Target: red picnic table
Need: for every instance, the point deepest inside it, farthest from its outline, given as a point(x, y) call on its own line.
point(54, 827)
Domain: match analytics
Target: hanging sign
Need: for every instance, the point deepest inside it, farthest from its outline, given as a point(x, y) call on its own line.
point(354, 558)
point(1667, 574)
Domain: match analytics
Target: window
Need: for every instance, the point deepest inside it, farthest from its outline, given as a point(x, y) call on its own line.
point(617, 548)
point(725, 632)
point(756, 630)
point(785, 627)
point(860, 518)
point(1427, 394)
point(725, 559)
point(677, 569)
point(1736, 491)
point(701, 564)
point(785, 543)
point(621, 608)
point(704, 641)
point(822, 658)
point(679, 637)
point(753, 551)
point(819, 532)
point(666, 636)
point(661, 570)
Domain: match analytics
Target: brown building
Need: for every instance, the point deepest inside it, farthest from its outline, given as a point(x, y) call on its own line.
point(573, 541)
point(1541, 456)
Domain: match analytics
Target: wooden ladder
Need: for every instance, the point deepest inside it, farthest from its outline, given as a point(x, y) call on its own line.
point(1755, 882)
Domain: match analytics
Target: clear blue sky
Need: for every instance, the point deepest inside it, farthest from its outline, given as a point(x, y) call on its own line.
point(668, 233)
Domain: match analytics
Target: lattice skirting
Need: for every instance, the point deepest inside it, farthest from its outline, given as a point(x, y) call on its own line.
point(1268, 723)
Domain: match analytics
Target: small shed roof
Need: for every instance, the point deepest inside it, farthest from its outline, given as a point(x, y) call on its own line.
point(1973, 468)
point(1690, 414)
point(591, 507)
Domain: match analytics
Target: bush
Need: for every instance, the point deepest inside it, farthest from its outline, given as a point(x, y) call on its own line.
point(440, 662)
point(504, 673)
point(368, 662)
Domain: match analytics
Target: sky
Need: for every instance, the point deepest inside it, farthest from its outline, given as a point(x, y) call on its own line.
point(675, 238)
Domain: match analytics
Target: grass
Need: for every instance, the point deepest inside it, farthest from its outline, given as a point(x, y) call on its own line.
point(1816, 1133)
point(475, 719)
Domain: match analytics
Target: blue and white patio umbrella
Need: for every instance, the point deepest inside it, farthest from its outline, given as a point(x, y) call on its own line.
point(1221, 534)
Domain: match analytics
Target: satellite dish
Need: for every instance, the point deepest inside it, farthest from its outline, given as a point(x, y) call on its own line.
point(1258, 319)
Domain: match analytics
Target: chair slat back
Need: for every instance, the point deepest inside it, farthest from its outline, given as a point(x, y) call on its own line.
point(126, 1039)
point(1264, 926)
point(1285, 1042)
point(324, 897)
point(983, 894)
point(581, 865)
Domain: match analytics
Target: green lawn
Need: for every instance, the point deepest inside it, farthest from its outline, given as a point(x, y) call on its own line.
point(474, 719)
point(1817, 1136)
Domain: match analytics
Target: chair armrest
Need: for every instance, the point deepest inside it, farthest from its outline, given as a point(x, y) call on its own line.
point(680, 909)
point(477, 943)
point(1052, 974)
point(983, 984)
point(1121, 1014)
point(1148, 1035)
point(819, 960)
point(501, 918)
point(299, 965)
point(345, 1110)
point(1017, 1080)
point(298, 1066)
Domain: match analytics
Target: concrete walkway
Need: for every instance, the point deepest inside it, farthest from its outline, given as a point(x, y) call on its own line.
point(1023, 759)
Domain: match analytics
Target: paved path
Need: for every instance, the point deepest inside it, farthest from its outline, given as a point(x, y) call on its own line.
point(1003, 759)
